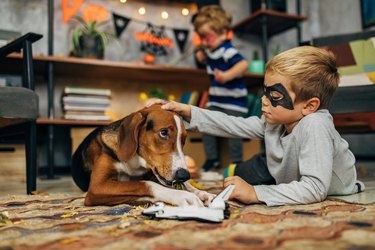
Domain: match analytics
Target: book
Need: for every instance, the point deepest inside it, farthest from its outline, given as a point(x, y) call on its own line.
point(70, 99)
point(86, 117)
point(87, 91)
point(85, 107)
point(203, 100)
point(185, 97)
point(193, 100)
point(84, 112)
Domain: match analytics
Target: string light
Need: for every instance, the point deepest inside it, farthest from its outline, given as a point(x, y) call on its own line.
point(185, 11)
point(142, 11)
point(164, 15)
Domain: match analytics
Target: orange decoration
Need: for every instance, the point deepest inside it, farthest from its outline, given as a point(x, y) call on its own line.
point(230, 35)
point(95, 13)
point(147, 37)
point(149, 59)
point(69, 8)
point(196, 40)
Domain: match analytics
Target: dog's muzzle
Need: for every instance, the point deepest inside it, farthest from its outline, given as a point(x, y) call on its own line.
point(182, 175)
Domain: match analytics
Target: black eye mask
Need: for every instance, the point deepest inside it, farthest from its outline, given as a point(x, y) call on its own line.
point(284, 100)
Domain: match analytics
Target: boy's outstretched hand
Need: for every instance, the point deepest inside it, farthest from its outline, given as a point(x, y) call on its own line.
point(243, 191)
point(182, 109)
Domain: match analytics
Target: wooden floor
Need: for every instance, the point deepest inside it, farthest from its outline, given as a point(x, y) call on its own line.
point(63, 184)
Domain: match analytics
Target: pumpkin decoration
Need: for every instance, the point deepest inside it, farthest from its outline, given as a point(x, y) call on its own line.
point(149, 58)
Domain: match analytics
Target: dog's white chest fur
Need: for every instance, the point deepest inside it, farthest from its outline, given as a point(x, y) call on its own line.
point(134, 167)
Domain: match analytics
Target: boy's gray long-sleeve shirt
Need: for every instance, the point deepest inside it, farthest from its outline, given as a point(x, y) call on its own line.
point(308, 164)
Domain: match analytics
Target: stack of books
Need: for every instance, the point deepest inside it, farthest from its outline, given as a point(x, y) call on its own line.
point(86, 103)
point(196, 98)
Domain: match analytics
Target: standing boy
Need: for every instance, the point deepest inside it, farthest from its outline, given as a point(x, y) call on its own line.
point(225, 67)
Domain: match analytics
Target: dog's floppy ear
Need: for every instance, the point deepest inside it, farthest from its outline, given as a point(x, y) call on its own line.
point(128, 135)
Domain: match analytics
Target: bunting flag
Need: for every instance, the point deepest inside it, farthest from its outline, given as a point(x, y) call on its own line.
point(70, 8)
point(95, 12)
point(181, 36)
point(120, 23)
point(154, 40)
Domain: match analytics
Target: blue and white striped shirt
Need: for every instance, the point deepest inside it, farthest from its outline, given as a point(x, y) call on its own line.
point(233, 94)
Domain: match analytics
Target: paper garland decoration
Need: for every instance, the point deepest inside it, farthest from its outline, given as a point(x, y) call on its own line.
point(120, 23)
point(152, 32)
point(154, 40)
point(181, 37)
point(70, 8)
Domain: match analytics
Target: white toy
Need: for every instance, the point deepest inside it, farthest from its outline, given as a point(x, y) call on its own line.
point(215, 212)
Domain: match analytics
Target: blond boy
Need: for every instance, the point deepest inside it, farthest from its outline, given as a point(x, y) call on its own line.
point(305, 154)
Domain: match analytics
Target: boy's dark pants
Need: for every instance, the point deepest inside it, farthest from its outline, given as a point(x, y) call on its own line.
point(254, 171)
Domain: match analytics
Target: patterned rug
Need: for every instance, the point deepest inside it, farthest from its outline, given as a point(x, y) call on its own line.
point(61, 221)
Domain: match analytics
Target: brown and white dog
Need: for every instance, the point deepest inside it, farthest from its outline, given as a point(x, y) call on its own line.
point(136, 158)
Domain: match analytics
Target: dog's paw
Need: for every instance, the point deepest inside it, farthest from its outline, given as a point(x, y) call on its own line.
point(185, 198)
point(206, 197)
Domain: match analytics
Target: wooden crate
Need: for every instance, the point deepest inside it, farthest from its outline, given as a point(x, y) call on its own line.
point(13, 164)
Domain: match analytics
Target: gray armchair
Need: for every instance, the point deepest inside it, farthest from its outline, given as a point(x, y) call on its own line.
point(19, 106)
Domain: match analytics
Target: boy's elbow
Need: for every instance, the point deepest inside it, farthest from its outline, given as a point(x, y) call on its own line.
point(244, 66)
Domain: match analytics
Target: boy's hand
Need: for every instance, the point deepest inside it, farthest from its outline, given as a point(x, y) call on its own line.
point(220, 76)
point(200, 56)
point(243, 191)
point(153, 101)
point(182, 109)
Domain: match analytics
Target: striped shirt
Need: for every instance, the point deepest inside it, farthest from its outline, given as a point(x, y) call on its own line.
point(233, 94)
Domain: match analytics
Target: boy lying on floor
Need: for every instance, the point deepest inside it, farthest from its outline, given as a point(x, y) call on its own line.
point(306, 159)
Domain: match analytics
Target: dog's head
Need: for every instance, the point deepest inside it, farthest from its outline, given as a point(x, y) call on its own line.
point(157, 136)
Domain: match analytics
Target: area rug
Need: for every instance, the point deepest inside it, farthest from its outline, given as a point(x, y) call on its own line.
point(61, 221)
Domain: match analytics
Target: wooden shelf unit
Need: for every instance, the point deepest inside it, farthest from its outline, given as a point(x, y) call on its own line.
point(267, 23)
point(126, 74)
point(46, 121)
point(277, 22)
point(139, 72)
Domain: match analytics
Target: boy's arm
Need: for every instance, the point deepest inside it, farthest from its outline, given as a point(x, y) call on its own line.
point(220, 124)
point(235, 71)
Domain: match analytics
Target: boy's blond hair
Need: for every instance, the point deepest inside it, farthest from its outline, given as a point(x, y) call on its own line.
point(217, 18)
point(312, 72)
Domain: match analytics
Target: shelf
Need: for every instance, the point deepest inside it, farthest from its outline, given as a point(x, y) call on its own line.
point(355, 122)
point(136, 72)
point(277, 22)
point(46, 121)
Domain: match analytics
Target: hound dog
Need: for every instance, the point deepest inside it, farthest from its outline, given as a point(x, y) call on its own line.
point(136, 158)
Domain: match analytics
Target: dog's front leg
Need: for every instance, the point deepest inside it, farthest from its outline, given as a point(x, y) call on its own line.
point(203, 195)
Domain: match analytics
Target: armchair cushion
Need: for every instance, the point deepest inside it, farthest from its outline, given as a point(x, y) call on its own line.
point(17, 105)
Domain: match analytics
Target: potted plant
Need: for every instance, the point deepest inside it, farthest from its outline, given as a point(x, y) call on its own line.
point(88, 39)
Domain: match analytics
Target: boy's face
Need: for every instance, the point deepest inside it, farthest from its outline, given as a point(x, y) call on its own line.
point(278, 102)
point(209, 38)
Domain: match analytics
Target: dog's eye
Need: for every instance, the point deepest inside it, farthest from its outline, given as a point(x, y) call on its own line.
point(163, 133)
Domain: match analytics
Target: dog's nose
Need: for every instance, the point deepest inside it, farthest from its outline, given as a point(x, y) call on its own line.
point(182, 175)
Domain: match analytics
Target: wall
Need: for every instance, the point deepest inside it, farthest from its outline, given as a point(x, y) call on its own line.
point(326, 17)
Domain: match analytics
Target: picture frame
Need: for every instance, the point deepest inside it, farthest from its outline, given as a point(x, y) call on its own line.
point(368, 13)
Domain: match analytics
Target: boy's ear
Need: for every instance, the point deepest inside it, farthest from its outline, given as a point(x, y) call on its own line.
point(311, 106)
